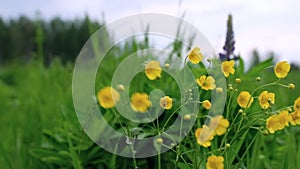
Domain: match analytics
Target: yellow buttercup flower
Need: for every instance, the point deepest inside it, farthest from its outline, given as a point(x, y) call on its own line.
point(282, 69)
point(278, 122)
point(284, 118)
point(228, 68)
point(166, 102)
point(140, 102)
point(297, 105)
point(195, 56)
point(153, 70)
point(215, 162)
point(295, 118)
point(204, 135)
point(273, 124)
point(219, 124)
point(108, 97)
point(206, 104)
point(266, 99)
point(245, 99)
point(206, 83)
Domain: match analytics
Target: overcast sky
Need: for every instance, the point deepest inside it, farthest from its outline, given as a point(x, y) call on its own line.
point(263, 24)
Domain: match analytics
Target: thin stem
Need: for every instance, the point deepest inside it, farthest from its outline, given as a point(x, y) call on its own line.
point(159, 160)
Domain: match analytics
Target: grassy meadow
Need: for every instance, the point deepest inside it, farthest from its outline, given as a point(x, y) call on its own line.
point(39, 127)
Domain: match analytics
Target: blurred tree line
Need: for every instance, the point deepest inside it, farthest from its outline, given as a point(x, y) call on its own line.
point(24, 38)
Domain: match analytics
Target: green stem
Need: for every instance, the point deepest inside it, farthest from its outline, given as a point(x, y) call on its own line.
point(159, 160)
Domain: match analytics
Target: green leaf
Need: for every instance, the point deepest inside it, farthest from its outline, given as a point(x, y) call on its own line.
point(260, 67)
point(55, 160)
point(44, 154)
point(232, 153)
point(241, 66)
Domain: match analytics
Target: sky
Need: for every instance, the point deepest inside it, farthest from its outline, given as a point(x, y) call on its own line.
point(264, 25)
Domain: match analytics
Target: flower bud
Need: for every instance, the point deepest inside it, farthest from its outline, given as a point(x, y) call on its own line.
point(187, 117)
point(219, 90)
point(159, 140)
point(258, 79)
point(121, 87)
point(238, 80)
point(291, 86)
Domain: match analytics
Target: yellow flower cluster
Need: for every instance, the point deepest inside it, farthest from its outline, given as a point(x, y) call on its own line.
point(108, 97)
point(139, 102)
point(284, 118)
point(217, 126)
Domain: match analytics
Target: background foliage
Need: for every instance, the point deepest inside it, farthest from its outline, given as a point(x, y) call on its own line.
point(38, 124)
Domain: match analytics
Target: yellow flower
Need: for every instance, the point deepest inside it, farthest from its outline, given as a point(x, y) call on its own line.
point(206, 83)
point(206, 104)
point(295, 118)
point(273, 124)
point(140, 102)
point(166, 102)
point(266, 99)
point(215, 162)
point(278, 122)
point(284, 118)
point(219, 124)
point(204, 135)
point(228, 68)
point(153, 70)
point(282, 69)
point(297, 105)
point(108, 97)
point(245, 99)
point(195, 56)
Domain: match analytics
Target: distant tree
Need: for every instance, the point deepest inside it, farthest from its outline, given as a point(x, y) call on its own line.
point(20, 38)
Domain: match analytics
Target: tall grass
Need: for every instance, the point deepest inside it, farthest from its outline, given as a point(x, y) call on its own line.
point(39, 128)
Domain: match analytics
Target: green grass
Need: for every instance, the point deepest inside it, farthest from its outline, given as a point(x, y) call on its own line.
point(32, 99)
point(39, 128)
